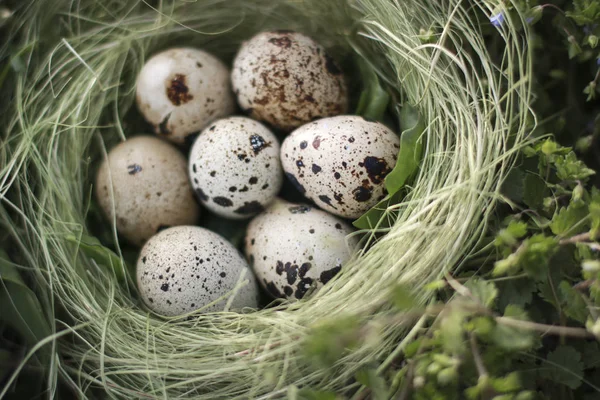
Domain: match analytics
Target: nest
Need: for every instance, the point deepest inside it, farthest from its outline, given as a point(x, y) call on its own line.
point(77, 98)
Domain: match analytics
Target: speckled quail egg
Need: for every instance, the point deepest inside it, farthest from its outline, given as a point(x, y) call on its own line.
point(340, 162)
point(145, 179)
point(234, 167)
point(287, 79)
point(181, 90)
point(294, 246)
point(184, 268)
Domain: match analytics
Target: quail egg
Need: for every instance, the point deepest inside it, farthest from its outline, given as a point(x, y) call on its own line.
point(234, 167)
point(181, 90)
point(340, 162)
point(287, 79)
point(143, 186)
point(292, 247)
point(184, 268)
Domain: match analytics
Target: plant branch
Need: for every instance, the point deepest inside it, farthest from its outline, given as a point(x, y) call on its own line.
point(477, 357)
point(551, 329)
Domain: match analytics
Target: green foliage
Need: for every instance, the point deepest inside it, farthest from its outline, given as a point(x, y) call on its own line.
point(407, 164)
point(564, 366)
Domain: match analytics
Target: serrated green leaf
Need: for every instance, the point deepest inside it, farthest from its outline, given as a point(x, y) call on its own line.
point(515, 291)
point(585, 13)
point(536, 255)
point(564, 366)
point(590, 354)
point(513, 338)
point(411, 149)
point(573, 304)
point(569, 168)
point(510, 235)
point(486, 292)
point(508, 383)
point(570, 220)
point(535, 189)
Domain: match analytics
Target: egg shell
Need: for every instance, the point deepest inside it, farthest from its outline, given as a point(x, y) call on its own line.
point(287, 79)
point(148, 179)
point(184, 268)
point(293, 246)
point(340, 162)
point(181, 90)
point(234, 167)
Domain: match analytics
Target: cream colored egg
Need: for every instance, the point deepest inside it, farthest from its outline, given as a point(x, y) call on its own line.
point(181, 90)
point(143, 185)
point(287, 79)
point(184, 268)
point(340, 162)
point(234, 167)
point(292, 247)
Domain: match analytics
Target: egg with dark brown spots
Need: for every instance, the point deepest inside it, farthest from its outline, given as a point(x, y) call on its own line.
point(143, 186)
point(287, 79)
point(181, 90)
point(186, 268)
point(234, 167)
point(341, 162)
point(293, 247)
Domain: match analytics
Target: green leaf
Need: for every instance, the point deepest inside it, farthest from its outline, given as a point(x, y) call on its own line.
point(411, 149)
point(93, 248)
point(585, 13)
point(19, 306)
point(573, 304)
point(508, 383)
point(513, 185)
point(373, 217)
point(513, 338)
point(535, 189)
point(515, 291)
point(570, 220)
point(594, 212)
point(369, 378)
point(510, 235)
point(569, 168)
point(403, 298)
point(374, 99)
point(452, 331)
point(329, 340)
point(564, 366)
point(486, 292)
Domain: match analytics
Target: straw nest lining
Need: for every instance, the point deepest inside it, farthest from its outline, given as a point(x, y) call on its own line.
point(72, 103)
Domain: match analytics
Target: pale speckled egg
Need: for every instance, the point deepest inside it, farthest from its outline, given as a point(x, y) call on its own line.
point(184, 268)
point(340, 162)
point(181, 90)
point(146, 178)
point(287, 79)
point(292, 247)
point(234, 167)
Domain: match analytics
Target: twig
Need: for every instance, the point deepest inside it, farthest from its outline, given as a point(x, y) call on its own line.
point(551, 329)
point(477, 357)
point(582, 237)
